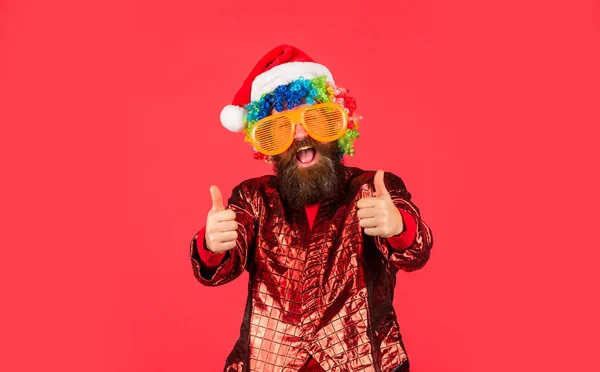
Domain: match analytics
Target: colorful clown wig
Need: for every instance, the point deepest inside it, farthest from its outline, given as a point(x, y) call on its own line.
point(300, 91)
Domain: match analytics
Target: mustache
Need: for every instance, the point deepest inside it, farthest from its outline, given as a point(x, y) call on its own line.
point(290, 153)
point(297, 145)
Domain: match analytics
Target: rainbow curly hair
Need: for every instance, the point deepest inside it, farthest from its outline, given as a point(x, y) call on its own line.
point(302, 91)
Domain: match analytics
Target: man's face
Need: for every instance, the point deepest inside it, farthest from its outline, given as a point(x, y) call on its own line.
point(309, 171)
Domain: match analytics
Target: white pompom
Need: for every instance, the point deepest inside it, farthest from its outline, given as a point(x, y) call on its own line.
point(232, 118)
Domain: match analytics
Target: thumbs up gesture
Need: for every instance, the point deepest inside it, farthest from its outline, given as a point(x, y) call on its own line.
point(378, 215)
point(221, 227)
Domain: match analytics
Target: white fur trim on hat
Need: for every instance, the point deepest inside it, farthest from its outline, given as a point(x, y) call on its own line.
point(232, 118)
point(284, 74)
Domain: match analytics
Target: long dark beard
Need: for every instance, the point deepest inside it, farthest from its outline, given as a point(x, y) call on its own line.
point(300, 186)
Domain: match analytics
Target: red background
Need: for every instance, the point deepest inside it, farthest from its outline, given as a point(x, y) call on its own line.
point(110, 141)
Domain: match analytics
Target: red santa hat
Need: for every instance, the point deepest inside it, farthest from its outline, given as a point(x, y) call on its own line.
point(281, 66)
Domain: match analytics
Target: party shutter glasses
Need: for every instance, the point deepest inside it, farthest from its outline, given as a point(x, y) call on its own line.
point(274, 134)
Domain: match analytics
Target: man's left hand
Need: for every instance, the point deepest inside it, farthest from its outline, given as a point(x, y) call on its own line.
point(378, 215)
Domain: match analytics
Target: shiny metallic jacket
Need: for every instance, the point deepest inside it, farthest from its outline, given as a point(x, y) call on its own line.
point(326, 292)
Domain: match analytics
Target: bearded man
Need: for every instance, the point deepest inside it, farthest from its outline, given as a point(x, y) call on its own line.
point(322, 242)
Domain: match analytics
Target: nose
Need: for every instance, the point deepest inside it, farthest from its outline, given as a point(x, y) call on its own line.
point(300, 133)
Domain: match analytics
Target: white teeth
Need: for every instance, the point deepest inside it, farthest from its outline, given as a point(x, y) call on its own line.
point(304, 148)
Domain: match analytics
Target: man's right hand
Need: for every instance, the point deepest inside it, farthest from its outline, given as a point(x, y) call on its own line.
point(221, 227)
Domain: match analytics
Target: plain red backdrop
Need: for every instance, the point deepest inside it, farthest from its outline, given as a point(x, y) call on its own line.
point(111, 139)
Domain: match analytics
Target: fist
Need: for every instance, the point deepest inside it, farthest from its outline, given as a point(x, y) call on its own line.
point(221, 227)
point(378, 215)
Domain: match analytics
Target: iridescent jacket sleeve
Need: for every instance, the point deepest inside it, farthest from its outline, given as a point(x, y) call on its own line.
point(417, 254)
point(239, 258)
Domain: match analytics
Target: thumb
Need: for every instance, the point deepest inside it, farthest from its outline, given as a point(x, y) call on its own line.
point(380, 189)
point(217, 199)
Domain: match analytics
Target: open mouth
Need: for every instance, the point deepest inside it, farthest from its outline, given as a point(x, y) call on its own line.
point(306, 156)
